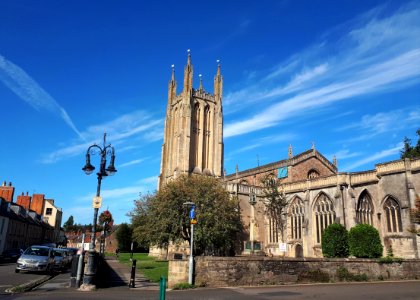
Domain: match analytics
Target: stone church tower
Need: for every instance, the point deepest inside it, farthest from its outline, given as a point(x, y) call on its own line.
point(193, 133)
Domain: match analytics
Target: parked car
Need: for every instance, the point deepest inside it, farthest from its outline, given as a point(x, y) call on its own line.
point(11, 255)
point(61, 258)
point(72, 251)
point(36, 258)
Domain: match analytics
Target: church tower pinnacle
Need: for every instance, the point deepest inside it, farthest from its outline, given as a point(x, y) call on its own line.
point(193, 133)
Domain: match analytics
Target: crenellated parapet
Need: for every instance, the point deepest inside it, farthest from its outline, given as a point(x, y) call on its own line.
point(203, 95)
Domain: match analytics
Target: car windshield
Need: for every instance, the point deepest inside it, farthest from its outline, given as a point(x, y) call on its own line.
point(58, 253)
point(36, 251)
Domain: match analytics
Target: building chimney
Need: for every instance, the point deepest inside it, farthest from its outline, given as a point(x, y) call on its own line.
point(38, 203)
point(7, 192)
point(24, 200)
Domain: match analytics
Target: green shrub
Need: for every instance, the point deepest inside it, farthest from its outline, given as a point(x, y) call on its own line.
point(183, 286)
point(335, 241)
point(390, 260)
point(364, 241)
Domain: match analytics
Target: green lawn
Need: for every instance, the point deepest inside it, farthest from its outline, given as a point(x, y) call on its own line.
point(151, 268)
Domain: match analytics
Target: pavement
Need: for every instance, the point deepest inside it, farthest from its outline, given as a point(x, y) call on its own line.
point(115, 276)
point(119, 275)
point(115, 279)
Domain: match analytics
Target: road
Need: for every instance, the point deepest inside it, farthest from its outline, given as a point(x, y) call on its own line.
point(407, 290)
point(9, 278)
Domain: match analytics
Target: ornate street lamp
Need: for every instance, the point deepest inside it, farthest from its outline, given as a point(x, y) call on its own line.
point(102, 172)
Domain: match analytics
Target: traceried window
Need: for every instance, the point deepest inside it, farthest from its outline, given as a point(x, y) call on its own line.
point(296, 218)
point(393, 215)
point(313, 174)
point(206, 137)
point(364, 210)
point(324, 215)
point(274, 230)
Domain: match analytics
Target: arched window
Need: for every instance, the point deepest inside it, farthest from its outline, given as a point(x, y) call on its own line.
point(274, 230)
point(196, 132)
point(393, 215)
point(364, 210)
point(296, 218)
point(324, 215)
point(206, 137)
point(313, 174)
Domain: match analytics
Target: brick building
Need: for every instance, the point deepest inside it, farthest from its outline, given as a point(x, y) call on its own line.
point(23, 223)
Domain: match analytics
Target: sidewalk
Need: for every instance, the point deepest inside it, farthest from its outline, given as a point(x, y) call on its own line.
point(115, 276)
point(120, 274)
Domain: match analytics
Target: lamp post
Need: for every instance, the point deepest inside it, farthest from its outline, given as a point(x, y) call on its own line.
point(102, 172)
point(193, 221)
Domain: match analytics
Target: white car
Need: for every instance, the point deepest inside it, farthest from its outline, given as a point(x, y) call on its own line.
point(37, 259)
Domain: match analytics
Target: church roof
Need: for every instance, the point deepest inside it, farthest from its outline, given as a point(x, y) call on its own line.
point(285, 163)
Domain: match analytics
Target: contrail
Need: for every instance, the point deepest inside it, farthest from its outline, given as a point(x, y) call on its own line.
point(29, 91)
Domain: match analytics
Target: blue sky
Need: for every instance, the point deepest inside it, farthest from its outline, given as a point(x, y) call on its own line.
point(342, 74)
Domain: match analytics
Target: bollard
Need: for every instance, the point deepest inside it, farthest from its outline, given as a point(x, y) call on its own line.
point(162, 288)
point(133, 275)
point(73, 271)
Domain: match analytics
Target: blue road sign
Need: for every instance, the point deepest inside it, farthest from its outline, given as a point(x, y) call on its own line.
point(192, 212)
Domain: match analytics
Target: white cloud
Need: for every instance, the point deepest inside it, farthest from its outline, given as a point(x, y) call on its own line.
point(363, 62)
point(375, 157)
point(383, 122)
point(132, 162)
point(27, 89)
point(120, 131)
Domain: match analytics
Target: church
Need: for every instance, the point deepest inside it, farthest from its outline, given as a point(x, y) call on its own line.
point(317, 193)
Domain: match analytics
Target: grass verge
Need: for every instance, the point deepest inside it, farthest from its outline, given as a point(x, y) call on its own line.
point(152, 268)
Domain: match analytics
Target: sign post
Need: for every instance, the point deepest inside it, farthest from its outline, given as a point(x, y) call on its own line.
point(193, 221)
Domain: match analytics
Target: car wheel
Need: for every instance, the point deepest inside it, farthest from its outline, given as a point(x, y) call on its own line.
point(17, 271)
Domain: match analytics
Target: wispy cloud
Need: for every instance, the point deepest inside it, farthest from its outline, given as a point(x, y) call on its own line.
point(261, 142)
point(27, 89)
point(379, 53)
point(375, 157)
point(132, 162)
point(123, 131)
point(383, 122)
point(343, 155)
point(119, 201)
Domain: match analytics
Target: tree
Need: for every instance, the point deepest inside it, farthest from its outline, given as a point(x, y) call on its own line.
point(124, 236)
point(335, 241)
point(410, 151)
point(364, 241)
point(275, 201)
point(69, 224)
point(162, 218)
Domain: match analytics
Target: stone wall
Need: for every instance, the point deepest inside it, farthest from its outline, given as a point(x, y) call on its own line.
point(249, 271)
point(177, 272)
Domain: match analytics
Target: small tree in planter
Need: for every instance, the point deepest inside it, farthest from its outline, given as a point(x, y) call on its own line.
point(335, 241)
point(364, 241)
